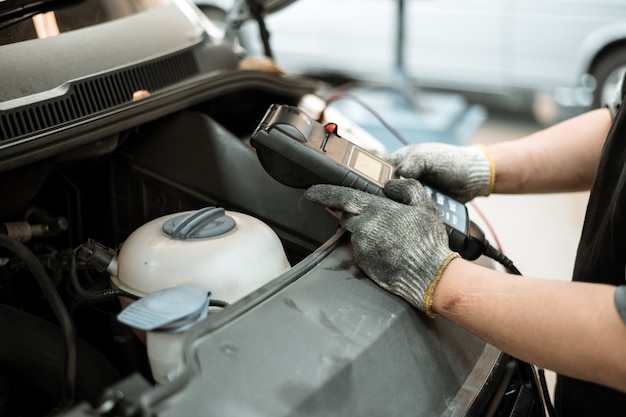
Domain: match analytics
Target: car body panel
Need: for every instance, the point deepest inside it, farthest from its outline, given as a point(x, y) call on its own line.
point(317, 347)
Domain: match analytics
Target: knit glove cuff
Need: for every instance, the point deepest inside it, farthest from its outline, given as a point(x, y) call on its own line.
point(417, 292)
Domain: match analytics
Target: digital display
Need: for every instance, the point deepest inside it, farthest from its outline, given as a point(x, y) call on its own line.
point(367, 164)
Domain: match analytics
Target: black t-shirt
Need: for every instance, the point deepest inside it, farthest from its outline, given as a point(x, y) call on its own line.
point(601, 258)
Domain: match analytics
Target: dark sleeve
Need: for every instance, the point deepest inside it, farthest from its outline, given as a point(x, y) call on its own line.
point(620, 301)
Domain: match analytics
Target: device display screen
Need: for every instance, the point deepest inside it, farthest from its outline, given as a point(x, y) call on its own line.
point(367, 164)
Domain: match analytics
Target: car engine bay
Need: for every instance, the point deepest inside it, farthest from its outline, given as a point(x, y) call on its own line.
point(149, 265)
point(95, 199)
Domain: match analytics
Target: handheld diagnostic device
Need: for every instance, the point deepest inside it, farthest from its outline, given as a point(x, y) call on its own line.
point(299, 152)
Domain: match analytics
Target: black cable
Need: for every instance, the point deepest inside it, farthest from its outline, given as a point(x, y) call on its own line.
point(99, 257)
point(95, 294)
point(498, 256)
point(58, 307)
point(390, 129)
point(218, 303)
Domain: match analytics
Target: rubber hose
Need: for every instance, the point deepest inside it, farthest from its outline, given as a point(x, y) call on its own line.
point(60, 311)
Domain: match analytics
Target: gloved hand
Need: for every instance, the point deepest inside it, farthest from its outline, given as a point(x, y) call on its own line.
point(399, 242)
point(462, 172)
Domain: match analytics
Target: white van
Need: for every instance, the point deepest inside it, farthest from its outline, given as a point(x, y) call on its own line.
point(489, 46)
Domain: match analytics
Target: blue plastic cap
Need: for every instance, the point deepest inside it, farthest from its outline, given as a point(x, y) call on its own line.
point(202, 224)
point(170, 310)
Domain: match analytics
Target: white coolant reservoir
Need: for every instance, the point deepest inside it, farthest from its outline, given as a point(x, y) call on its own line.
point(230, 254)
point(173, 260)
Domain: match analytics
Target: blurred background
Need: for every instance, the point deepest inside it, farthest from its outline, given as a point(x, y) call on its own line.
point(550, 57)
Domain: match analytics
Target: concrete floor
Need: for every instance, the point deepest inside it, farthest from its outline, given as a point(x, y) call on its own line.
point(539, 233)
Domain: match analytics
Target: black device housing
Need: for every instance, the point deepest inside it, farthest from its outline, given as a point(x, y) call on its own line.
point(293, 150)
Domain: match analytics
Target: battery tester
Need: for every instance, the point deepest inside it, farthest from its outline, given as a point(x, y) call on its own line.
point(299, 152)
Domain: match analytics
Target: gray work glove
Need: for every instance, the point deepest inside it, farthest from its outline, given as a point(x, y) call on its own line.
point(399, 242)
point(462, 172)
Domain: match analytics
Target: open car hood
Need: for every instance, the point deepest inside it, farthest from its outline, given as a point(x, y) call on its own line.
point(53, 85)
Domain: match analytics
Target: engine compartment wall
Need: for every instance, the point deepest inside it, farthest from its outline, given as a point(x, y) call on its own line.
point(192, 153)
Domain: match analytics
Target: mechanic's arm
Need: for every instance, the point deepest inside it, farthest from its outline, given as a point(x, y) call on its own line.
point(563, 157)
point(569, 327)
point(401, 244)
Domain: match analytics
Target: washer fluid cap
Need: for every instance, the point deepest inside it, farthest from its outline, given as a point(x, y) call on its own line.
point(170, 310)
point(201, 224)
